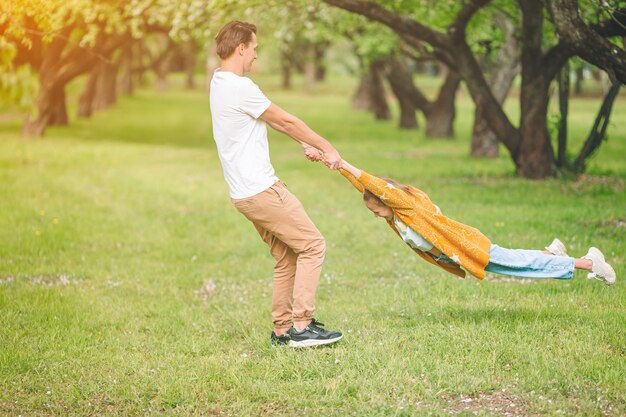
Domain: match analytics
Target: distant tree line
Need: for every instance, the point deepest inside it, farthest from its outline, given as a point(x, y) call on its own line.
point(485, 45)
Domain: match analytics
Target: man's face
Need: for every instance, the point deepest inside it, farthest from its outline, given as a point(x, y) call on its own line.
point(249, 54)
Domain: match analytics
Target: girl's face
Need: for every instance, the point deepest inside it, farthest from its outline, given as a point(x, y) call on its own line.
point(379, 210)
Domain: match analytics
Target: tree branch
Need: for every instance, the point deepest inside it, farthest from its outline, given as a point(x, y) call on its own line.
point(466, 14)
point(586, 42)
point(412, 31)
point(155, 61)
point(614, 27)
point(555, 59)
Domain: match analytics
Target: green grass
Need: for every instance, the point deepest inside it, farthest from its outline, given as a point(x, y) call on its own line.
point(102, 313)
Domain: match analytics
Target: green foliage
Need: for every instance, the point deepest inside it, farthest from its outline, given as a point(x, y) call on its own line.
point(436, 14)
point(19, 87)
point(375, 42)
point(297, 22)
point(7, 53)
point(484, 35)
point(599, 11)
point(80, 23)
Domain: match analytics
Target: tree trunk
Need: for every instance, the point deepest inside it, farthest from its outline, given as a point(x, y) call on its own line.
point(536, 156)
point(212, 64)
point(139, 53)
point(34, 127)
point(361, 97)
point(378, 99)
point(440, 116)
point(564, 80)
point(85, 101)
point(408, 119)
point(320, 65)
point(578, 86)
point(51, 111)
point(101, 88)
point(285, 67)
point(126, 65)
point(440, 121)
point(58, 115)
point(51, 103)
point(485, 142)
point(106, 87)
point(161, 70)
point(189, 51)
point(598, 131)
point(286, 76)
point(400, 79)
point(309, 67)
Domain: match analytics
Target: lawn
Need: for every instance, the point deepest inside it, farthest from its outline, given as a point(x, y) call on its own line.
point(129, 285)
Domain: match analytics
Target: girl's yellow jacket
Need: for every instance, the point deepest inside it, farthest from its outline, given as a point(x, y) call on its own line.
point(465, 245)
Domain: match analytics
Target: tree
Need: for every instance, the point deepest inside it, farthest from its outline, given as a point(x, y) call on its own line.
point(61, 40)
point(380, 51)
point(439, 112)
point(529, 143)
point(400, 78)
point(501, 64)
point(298, 28)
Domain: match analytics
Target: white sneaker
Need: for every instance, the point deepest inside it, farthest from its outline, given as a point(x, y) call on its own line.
point(557, 248)
point(600, 269)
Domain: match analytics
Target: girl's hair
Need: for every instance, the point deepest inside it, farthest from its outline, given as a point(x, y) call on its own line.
point(232, 35)
point(369, 196)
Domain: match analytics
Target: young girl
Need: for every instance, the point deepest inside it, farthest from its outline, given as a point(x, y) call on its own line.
point(456, 247)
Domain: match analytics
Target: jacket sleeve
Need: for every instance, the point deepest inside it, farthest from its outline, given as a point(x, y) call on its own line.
point(392, 196)
point(352, 179)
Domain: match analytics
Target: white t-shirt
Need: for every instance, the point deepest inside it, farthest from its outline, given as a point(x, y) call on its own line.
point(241, 138)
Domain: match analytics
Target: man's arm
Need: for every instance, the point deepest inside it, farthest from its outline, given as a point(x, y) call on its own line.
point(290, 125)
point(311, 153)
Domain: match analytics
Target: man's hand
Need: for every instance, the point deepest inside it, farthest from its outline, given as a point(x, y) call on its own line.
point(332, 159)
point(312, 153)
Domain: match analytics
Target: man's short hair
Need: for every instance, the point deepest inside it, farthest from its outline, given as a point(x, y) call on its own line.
point(232, 35)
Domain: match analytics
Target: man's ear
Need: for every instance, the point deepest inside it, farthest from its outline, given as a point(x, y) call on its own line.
point(241, 48)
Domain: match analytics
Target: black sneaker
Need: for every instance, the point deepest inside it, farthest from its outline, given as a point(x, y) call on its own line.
point(312, 335)
point(280, 340)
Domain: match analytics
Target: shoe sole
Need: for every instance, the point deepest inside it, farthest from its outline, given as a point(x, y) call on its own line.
point(313, 342)
point(608, 280)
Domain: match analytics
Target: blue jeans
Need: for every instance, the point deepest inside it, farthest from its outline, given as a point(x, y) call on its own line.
point(525, 263)
point(529, 263)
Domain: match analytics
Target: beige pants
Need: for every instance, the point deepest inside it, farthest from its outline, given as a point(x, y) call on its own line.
point(297, 246)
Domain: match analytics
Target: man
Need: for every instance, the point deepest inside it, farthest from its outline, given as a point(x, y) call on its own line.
point(240, 112)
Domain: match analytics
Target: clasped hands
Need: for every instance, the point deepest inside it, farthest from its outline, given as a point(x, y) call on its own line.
point(331, 159)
